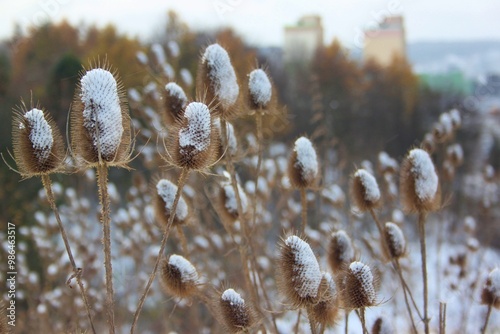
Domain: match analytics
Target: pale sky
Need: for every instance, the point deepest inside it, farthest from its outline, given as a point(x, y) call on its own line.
point(261, 22)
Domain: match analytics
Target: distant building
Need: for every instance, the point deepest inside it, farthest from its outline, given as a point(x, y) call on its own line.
point(302, 39)
point(386, 41)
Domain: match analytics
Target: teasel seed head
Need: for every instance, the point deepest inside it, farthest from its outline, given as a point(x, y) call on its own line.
point(260, 90)
point(235, 313)
point(382, 326)
point(303, 166)
point(232, 148)
point(395, 240)
point(491, 290)
point(455, 154)
point(164, 200)
point(340, 251)
point(365, 192)
point(326, 310)
point(359, 286)
point(38, 144)
point(100, 124)
point(217, 80)
point(299, 275)
point(178, 277)
point(174, 102)
point(193, 141)
point(419, 183)
point(456, 118)
point(228, 199)
point(428, 144)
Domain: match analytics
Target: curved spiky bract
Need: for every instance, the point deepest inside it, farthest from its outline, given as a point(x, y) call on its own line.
point(260, 89)
point(365, 192)
point(163, 201)
point(491, 290)
point(174, 102)
point(299, 275)
point(395, 240)
point(419, 183)
point(303, 166)
point(38, 144)
point(340, 251)
point(100, 124)
point(359, 290)
point(178, 277)
point(236, 315)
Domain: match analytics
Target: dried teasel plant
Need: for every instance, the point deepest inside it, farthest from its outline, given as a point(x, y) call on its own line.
point(340, 251)
point(395, 240)
point(178, 277)
point(365, 192)
point(174, 102)
point(228, 201)
point(325, 312)
point(235, 314)
point(382, 326)
point(490, 295)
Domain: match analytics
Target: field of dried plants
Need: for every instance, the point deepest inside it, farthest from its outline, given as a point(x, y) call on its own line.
point(267, 236)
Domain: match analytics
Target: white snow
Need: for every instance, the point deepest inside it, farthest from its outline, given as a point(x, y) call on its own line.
point(233, 298)
point(396, 237)
point(102, 115)
point(344, 246)
point(176, 91)
point(386, 161)
point(40, 134)
point(306, 267)
point(365, 277)
point(186, 77)
point(159, 53)
point(494, 286)
point(456, 119)
point(372, 192)
point(173, 48)
point(446, 121)
point(260, 87)
point(231, 203)
point(197, 132)
point(141, 57)
point(221, 74)
point(168, 70)
point(167, 190)
point(455, 150)
point(134, 95)
point(426, 179)
point(232, 141)
point(333, 193)
point(306, 157)
point(187, 270)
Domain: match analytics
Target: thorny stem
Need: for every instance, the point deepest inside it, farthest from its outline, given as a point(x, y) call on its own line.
point(487, 319)
point(421, 229)
point(297, 325)
point(442, 318)
point(312, 324)
point(77, 272)
point(346, 322)
point(180, 185)
point(258, 125)
point(102, 181)
point(361, 314)
point(303, 200)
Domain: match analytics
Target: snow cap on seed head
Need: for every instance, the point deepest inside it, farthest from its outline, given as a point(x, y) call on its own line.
point(260, 89)
point(235, 313)
point(303, 166)
point(164, 200)
point(359, 289)
point(178, 277)
point(395, 240)
point(174, 102)
point(491, 291)
point(365, 192)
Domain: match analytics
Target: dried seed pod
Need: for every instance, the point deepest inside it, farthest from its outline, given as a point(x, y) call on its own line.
point(217, 79)
point(456, 119)
point(326, 310)
point(382, 326)
point(299, 275)
point(491, 290)
point(303, 164)
point(386, 164)
point(174, 102)
point(192, 142)
point(395, 240)
point(364, 191)
point(236, 315)
point(178, 277)
point(359, 288)
point(38, 145)
point(340, 251)
point(228, 199)
point(260, 90)
point(455, 154)
point(419, 183)
point(428, 144)
point(100, 125)
point(232, 147)
point(164, 200)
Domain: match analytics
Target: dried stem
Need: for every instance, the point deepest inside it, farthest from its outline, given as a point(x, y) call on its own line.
point(180, 185)
point(182, 238)
point(421, 230)
point(297, 324)
point(303, 200)
point(442, 318)
point(102, 182)
point(487, 319)
point(77, 272)
point(346, 322)
point(258, 125)
point(312, 324)
point(361, 314)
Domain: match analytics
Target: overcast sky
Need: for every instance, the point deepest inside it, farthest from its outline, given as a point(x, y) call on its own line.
point(261, 22)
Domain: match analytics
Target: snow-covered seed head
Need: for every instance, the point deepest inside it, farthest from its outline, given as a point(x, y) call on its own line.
point(299, 275)
point(178, 277)
point(359, 289)
point(326, 310)
point(100, 123)
point(419, 183)
point(217, 79)
point(491, 290)
point(193, 141)
point(236, 315)
point(365, 192)
point(428, 144)
point(456, 119)
point(260, 89)
point(232, 142)
point(38, 145)
point(382, 326)
point(164, 200)
point(394, 240)
point(229, 202)
point(386, 164)
point(174, 102)
point(340, 251)
point(455, 154)
point(303, 164)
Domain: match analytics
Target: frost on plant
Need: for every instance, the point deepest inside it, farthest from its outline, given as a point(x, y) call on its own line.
point(306, 161)
point(260, 87)
point(167, 190)
point(186, 269)
point(40, 134)
point(372, 192)
point(232, 297)
point(426, 179)
point(230, 196)
point(197, 132)
point(102, 115)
